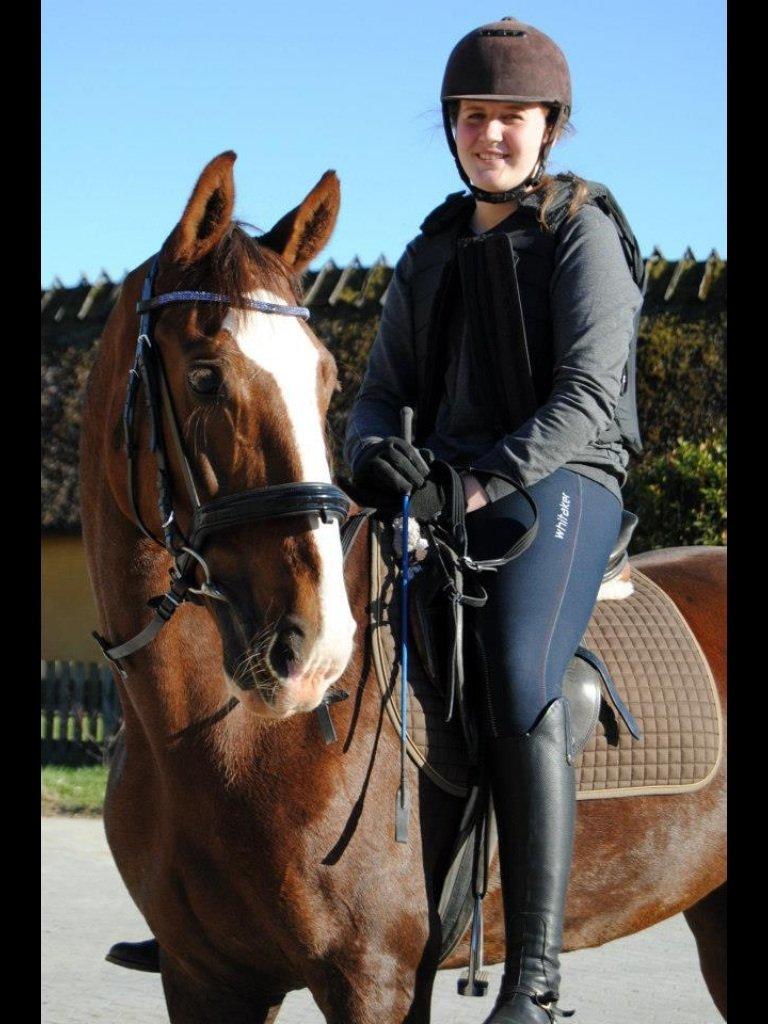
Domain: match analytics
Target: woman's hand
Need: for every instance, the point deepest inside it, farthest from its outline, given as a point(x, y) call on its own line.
point(474, 492)
point(392, 466)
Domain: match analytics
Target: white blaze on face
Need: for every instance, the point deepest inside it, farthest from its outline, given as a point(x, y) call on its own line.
point(279, 345)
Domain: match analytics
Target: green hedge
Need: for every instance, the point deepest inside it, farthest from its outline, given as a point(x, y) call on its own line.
point(680, 379)
point(678, 487)
point(349, 339)
point(680, 496)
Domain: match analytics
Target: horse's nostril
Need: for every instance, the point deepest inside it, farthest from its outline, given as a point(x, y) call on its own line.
point(287, 645)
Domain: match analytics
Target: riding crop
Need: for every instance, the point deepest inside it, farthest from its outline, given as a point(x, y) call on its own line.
point(402, 808)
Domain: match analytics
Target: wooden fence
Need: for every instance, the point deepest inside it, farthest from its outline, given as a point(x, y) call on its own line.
point(79, 712)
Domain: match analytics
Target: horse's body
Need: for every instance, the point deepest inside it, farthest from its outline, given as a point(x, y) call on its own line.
point(264, 860)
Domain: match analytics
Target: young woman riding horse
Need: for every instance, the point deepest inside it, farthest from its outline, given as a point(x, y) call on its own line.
point(506, 99)
point(262, 858)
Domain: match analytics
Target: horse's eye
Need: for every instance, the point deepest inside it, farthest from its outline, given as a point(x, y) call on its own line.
point(205, 379)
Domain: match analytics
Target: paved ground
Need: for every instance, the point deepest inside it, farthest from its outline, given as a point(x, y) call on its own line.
point(649, 978)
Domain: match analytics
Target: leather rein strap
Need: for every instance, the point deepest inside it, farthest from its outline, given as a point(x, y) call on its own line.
point(324, 500)
point(449, 545)
point(452, 523)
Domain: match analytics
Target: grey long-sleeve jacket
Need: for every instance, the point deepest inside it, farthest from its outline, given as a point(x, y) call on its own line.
point(592, 301)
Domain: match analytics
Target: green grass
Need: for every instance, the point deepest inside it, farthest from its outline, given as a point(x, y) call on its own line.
point(74, 790)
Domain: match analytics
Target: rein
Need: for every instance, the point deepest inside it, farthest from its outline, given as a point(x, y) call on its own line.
point(459, 576)
point(324, 500)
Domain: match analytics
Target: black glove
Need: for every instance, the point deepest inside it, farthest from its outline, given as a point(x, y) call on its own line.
point(427, 501)
point(391, 468)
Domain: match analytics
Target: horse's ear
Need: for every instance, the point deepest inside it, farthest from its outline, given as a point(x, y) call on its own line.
point(208, 214)
point(301, 234)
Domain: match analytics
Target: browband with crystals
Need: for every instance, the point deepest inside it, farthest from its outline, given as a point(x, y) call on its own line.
point(169, 298)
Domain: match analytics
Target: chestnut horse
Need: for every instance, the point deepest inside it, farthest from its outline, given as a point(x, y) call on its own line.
point(262, 858)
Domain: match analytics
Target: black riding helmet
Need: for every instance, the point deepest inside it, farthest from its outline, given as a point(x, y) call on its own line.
point(507, 61)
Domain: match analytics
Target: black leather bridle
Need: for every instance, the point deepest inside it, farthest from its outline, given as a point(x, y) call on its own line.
point(324, 500)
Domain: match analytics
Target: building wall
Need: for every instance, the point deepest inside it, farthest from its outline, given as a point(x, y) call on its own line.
point(68, 608)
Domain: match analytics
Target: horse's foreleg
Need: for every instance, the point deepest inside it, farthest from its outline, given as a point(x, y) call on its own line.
point(707, 921)
point(191, 1001)
point(375, 993)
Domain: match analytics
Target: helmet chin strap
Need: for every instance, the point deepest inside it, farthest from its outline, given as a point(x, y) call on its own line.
point(515, 194)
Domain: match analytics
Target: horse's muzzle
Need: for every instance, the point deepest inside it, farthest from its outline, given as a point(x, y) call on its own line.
point(287, 671)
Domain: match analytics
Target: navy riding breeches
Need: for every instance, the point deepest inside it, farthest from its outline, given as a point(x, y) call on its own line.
point(539, 604)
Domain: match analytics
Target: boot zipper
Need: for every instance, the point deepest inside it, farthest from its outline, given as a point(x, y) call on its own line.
point(491, 717)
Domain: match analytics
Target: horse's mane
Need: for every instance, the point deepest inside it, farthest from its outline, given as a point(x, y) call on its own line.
point(230, 269)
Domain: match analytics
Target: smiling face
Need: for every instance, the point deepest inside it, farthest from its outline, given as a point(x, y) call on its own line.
point(499, 143)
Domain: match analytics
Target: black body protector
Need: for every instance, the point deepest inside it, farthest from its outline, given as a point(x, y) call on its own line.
point(504, 282)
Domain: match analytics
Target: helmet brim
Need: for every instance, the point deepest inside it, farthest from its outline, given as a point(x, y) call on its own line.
point(501, 99)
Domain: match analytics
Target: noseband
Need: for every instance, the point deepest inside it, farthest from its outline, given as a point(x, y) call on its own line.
point(323, 500)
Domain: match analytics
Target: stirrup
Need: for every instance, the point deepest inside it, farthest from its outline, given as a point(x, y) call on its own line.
point(474, 980)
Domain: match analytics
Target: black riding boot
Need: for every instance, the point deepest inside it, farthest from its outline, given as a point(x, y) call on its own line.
point(534, 793)
point(136, 956)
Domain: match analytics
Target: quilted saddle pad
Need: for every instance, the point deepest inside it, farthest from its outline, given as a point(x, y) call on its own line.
point(652, 655)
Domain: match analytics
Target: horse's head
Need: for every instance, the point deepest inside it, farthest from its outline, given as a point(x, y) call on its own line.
point(250, 391)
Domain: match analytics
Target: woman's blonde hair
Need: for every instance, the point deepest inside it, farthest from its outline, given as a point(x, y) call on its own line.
point(549, 186)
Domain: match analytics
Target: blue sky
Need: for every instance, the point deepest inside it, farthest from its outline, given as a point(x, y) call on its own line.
point(137, 98)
